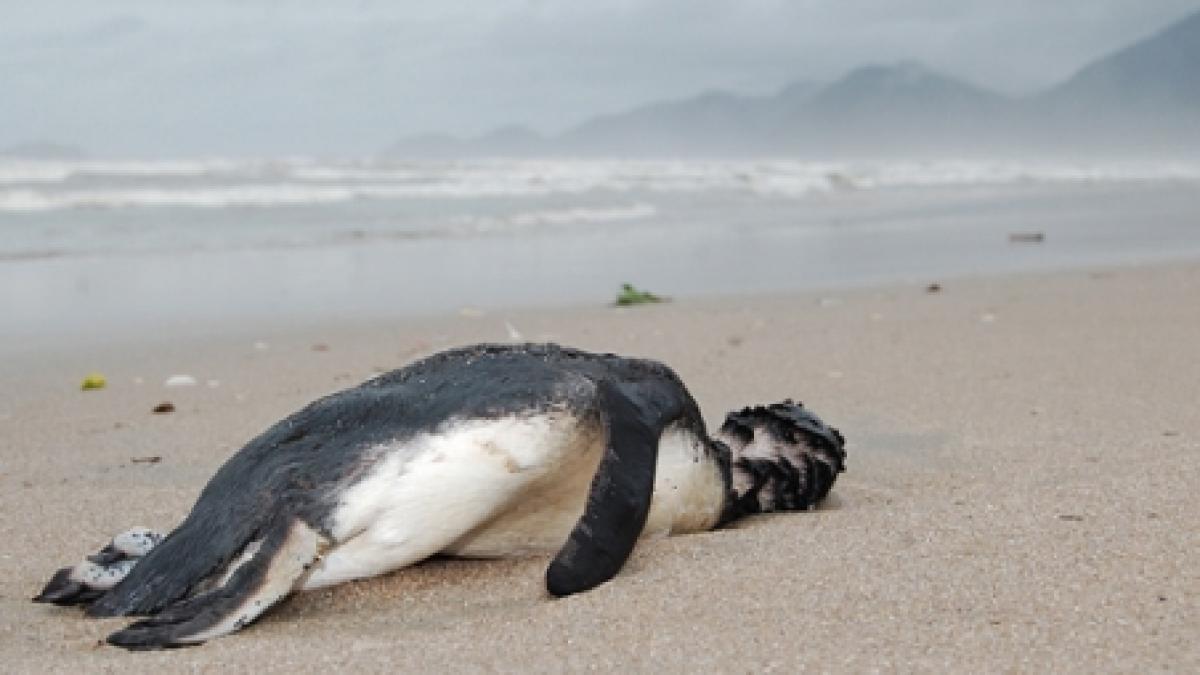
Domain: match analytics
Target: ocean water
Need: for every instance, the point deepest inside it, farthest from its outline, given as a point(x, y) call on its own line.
point(117, 245)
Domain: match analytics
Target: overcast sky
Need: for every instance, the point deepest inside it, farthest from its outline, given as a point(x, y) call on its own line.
point(158, 77)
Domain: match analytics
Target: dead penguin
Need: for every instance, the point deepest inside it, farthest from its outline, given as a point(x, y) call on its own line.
point(485, 451)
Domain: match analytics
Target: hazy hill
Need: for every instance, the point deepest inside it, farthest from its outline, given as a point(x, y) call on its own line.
point(512, 139)
point(901, 107)
point(43, 150)
point(724, 120)
point(1144, 96)
point(884, 108)
point(1161, 72)
point(906, 88)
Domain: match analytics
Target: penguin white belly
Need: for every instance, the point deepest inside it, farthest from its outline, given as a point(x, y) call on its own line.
point(689, 491)
point(688, 496)
point(541, 517)
point(500, 488)
point(428, 492)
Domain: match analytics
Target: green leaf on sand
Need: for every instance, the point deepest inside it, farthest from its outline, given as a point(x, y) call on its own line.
point(632, 296)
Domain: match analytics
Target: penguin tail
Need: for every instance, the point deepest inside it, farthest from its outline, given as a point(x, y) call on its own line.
point(269, 569)
point(185, 561)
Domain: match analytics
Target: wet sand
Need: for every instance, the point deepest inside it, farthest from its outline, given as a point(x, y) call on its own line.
point(1021, 493)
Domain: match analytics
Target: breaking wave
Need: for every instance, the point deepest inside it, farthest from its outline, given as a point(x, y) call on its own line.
point(549, 218)
point(32, 186)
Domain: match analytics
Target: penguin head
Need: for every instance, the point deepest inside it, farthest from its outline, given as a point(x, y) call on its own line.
point(782, 456)
point(779, 430)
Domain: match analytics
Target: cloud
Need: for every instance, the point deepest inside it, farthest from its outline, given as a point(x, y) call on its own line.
point(225, 76)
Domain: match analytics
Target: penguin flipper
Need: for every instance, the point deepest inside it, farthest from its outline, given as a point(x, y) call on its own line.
point(274, 570)
point(618, 501)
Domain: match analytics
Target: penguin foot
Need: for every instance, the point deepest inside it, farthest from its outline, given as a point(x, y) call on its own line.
point(91, 578)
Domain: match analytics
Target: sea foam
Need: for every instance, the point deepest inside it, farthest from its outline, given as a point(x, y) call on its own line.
point(30, 186)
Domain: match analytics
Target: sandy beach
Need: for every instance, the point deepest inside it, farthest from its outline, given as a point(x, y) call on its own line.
point(1021, 494)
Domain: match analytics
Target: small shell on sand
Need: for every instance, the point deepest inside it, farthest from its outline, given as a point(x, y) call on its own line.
point(180, 381)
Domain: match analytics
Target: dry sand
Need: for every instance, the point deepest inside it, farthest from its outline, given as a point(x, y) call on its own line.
point(1024, 456)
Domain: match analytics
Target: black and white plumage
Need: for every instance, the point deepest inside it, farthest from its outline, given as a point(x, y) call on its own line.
point(485, 451)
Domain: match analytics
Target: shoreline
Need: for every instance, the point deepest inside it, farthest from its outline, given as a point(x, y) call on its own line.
point(102, 339)
point(712, 247)
point(493, 321)
point(1023, 451)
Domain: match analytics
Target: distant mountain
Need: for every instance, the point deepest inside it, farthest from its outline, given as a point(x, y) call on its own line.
point(42, 150)
point(725, 121)
point(901, 107)
point(1160, 72)
point(1146, 95)
point(877, 108)
point(906, 87)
